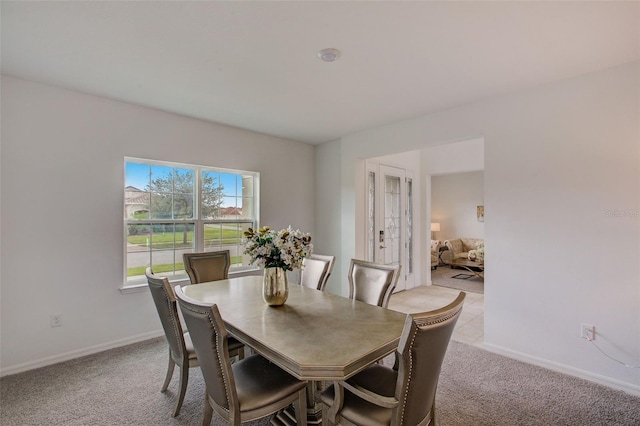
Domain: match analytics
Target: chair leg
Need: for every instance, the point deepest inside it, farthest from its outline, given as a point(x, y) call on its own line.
point(336, 406)
point(325, 416)
point(184, 379)
point(300, 407)
point(169, 373)
point(208, 411)
point(434, 418)
point(240, 353)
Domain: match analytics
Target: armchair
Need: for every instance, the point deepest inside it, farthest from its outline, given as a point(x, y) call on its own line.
point(435, 252)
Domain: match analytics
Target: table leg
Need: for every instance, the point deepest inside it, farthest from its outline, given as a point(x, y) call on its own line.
point(479, 274)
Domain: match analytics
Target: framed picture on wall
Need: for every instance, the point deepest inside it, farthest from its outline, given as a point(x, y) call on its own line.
point(480, 213)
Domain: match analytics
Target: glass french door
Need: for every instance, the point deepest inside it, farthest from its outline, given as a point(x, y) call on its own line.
point(389, 222)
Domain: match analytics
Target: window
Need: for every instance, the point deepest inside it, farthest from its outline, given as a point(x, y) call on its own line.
point(171, 209)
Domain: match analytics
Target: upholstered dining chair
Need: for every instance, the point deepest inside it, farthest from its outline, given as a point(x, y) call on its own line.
point(316, 270)
point(246, 390)
point(405, 394)
point(181, 350)
point(211, 266)
point(207, 266)
point(372, 283)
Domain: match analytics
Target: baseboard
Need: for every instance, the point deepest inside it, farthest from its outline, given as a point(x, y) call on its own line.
point(43, 362)
point(565, 369)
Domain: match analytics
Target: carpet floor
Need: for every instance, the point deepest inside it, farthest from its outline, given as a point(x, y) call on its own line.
point(443, 276)
point(476, 388)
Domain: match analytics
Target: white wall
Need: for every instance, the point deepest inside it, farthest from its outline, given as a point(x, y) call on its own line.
point(62, 229)
point(558, 160)
point(453, 157)
point(454, 201)
point(327, 196)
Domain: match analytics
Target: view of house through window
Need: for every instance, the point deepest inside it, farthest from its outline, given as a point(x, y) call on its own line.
point(171, 209)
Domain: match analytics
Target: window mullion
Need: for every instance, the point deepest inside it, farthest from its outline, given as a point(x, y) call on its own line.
point(199, 227)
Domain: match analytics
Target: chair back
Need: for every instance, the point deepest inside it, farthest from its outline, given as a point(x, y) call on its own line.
point(165, 301)
point(209, 338)
point(316, 270)
point(372, 283)
point(421, 350)
point(207, 266)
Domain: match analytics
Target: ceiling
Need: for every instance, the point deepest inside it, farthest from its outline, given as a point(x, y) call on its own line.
point(253, 65)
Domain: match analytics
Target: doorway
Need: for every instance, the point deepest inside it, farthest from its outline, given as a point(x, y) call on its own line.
point(420, 166)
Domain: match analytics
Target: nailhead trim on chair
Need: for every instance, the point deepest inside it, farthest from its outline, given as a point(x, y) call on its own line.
point(406, 391)
point(224, 380)
point(421, 322)
point(226, 385)
point(176, 331)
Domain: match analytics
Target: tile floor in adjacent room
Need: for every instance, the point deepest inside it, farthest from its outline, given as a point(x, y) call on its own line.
point(470, 326)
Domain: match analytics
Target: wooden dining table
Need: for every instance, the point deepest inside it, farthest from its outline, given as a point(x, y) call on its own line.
point(315, 335)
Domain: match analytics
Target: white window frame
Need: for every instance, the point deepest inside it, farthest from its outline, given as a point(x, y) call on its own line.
point(197, 221)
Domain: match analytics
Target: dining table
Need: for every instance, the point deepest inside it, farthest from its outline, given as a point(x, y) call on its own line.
point(315, 336)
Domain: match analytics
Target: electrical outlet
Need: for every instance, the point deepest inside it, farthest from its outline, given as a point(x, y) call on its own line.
point(587, 331)
point(56, 320)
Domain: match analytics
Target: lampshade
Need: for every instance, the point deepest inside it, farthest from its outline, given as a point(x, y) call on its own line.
point(435, 226)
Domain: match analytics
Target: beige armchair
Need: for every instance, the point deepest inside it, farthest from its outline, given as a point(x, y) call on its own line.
point(435, 251)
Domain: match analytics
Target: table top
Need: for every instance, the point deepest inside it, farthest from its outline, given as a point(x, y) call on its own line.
point(315, 335)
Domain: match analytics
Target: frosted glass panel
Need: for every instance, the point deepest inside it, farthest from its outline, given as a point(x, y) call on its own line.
point(392, 219)
point(410, 226)
point(371, 225)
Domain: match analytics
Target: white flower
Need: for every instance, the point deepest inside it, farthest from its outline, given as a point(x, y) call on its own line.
point(284, 249)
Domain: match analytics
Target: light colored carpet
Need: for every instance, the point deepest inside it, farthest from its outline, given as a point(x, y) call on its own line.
point(443, 276)
point(477, 388)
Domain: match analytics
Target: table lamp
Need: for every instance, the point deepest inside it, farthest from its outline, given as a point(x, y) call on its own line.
point(435, 227)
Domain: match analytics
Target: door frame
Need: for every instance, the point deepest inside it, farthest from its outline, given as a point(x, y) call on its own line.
point(407, 279)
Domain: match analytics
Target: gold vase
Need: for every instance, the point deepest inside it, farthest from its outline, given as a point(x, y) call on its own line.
point(275, 287)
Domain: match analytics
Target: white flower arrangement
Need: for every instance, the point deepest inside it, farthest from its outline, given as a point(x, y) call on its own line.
point(277, 249)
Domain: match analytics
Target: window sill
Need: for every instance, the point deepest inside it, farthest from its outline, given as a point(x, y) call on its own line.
point(134, 288)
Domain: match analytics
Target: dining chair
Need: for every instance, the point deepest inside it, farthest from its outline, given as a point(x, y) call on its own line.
point(316, 270)
point(207, 266)
point(405, 394)
point(249, 389)
point(371, 282)
point(210, 266)
point(181, 350)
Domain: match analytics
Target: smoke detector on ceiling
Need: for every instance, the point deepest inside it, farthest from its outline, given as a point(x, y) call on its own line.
point(329, 55)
